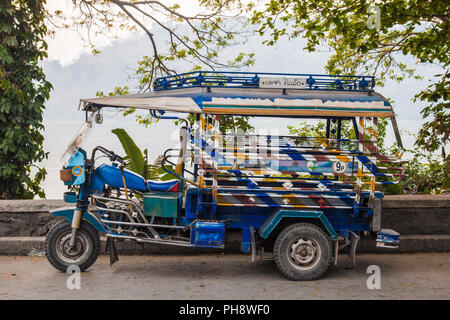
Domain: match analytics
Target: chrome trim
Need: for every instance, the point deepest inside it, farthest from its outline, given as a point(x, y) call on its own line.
point(160, 241)
point(143, 224)
point(100, 198)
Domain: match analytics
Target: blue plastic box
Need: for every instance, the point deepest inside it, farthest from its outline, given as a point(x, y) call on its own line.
point(208, 234)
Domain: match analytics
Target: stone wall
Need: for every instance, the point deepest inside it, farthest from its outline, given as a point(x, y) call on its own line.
point(27, 218)
point(412, 214)
point(417, 214)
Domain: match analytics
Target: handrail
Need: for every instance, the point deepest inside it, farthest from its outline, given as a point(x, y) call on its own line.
point(175, 174)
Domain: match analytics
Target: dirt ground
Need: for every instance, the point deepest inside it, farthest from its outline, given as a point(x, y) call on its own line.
point(403, 276)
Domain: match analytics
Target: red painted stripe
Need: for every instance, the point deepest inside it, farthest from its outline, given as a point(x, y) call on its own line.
point(321, 201)
point(175, 187)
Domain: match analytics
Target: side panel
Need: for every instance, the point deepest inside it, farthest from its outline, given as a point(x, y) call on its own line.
point(161, 204)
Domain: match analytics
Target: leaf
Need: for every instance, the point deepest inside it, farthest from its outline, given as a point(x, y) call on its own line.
point(136, 162)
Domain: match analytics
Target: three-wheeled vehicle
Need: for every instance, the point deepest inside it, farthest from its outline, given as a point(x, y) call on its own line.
point(299, 198)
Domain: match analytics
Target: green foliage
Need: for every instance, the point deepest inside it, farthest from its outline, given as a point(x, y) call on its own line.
point(234, 124)
point(427, 174)
point(117, 91)
point(318, 129)
point(137, 160)
point(371, 37)
point(435, 132)
point(308, 130)
point(24, 91)
point(227, 123)
point(135, 157)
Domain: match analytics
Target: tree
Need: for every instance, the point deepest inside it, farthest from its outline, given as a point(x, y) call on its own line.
point(198, 38)
point(372, 37)
point(24, 90)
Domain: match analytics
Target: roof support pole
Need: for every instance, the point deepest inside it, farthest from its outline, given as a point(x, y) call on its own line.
point(397, 137)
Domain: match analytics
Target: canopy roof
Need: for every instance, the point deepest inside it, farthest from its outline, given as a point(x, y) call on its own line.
point(247, 99)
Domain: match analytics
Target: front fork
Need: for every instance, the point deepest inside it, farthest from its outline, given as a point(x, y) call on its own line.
point(76, 221)
point(77, 215)
point(82, 204)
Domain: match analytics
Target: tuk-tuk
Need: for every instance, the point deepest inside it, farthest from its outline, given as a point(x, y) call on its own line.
point(300, 198)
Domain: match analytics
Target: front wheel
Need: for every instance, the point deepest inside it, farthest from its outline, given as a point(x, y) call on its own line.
point(83, 255)
point(302, 251)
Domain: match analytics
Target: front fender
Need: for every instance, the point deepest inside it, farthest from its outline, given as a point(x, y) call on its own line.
point(67, 212)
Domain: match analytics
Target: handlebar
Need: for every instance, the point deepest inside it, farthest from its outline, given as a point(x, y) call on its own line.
point(112, 156)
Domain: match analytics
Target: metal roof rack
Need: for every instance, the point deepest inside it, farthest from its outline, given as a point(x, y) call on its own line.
point(265, 80)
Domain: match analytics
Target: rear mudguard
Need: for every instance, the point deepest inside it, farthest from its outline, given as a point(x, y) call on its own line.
point(269, 225)
point(67, 212)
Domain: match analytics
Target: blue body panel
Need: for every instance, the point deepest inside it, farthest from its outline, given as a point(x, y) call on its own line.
point(76, 165)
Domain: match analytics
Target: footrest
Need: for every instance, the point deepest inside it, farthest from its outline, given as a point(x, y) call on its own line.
point(388, 238)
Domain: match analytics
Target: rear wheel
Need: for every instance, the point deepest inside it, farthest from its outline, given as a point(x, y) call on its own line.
point(84, 253)
point(303, 251)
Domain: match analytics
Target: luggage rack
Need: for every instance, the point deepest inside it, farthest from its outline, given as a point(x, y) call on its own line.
point(253, 80)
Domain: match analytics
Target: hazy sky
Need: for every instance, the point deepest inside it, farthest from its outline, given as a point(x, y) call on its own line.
point(68, 38)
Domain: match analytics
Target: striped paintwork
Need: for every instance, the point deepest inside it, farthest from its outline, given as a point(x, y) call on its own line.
point(296, 168)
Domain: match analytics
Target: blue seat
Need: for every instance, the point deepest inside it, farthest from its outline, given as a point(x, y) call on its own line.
point(170, 185)
point(112, 176)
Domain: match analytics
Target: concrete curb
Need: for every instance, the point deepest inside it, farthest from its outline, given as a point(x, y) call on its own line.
point(34, 246)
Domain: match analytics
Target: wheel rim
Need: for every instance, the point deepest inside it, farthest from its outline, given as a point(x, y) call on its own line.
point(76, 255)
point(304, 253)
